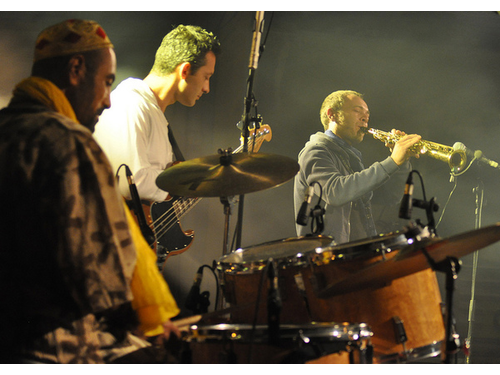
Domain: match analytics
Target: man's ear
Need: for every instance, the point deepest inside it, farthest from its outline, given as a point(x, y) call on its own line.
point(77, 69)
point(332, 115)
point(184, 70)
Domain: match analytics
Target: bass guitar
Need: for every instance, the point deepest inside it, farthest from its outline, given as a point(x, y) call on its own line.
point(163, 217)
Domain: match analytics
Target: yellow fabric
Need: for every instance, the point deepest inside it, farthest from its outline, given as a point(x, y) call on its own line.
point(45, 92)
point(152, 299)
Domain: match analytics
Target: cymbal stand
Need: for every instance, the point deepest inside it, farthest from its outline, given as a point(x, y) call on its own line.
point(227, 214)
point(225, 160)
point(227, 202)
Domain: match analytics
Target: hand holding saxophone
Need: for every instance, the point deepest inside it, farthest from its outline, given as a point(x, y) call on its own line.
point(402, 146)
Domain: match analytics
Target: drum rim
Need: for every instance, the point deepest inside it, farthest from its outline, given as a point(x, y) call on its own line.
point(368, 246)
point(413, 354)
point(354, 250)
point(222, 260)
point(347, 251)
point(315, 330)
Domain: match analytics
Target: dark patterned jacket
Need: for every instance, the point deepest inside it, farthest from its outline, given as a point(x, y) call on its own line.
point(66, 257)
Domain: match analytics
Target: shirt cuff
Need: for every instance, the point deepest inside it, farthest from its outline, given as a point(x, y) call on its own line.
point(390, 165)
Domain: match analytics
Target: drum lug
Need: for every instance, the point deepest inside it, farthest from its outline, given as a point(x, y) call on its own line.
point(362, 356)
point(303, 338)
point(399, 328)
point(401, 337)
point(384, 251)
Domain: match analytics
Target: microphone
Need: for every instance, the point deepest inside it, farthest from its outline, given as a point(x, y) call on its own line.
point(305, 210)
point(254, 53)
point(478, 154)
point(192, 299)
point(407, 201)
point(146, 231)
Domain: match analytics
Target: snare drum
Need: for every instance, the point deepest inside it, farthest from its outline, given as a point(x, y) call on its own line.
point(308, 343)
point(241, 274)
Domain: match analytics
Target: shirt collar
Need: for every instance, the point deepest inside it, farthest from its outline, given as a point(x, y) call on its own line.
point(343, 143)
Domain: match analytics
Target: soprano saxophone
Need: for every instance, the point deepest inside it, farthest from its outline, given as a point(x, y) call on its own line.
point(456, 159)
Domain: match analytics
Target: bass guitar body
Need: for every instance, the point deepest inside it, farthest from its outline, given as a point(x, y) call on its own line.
point(171, 239)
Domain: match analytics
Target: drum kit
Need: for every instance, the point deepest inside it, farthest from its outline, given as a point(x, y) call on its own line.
point(310, 300)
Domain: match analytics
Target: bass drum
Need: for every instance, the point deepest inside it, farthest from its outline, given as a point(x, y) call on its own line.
point(405, 314)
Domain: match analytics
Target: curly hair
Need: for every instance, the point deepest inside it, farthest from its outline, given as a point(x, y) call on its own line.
point(184, 44)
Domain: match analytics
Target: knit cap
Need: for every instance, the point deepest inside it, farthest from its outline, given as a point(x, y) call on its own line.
point(69, 37)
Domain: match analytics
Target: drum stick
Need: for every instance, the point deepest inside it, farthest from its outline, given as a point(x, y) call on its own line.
point(184, 323)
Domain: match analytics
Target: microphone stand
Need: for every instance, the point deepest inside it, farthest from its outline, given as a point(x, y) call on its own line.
point(225, 160)
point(273, 304)
point(317, 213)
point(249, 103)
point(429, 208)
point(479, 190)
point(450, 266)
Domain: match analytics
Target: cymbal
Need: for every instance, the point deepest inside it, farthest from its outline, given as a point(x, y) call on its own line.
point(227, 175)
point(412, 259)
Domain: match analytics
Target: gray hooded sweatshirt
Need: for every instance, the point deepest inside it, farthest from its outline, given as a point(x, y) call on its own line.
point(347, 186)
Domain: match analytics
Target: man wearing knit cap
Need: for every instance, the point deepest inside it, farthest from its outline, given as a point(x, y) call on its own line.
point(84, 50)
point(77, 277)
point(69, 37)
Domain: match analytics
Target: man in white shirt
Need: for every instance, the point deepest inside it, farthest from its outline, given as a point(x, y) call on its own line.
point(134, 131)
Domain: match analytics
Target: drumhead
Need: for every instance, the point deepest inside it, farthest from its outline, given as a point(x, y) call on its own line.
point(277, 250)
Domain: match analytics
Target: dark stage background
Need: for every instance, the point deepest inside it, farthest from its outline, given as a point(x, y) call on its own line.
point(431, 73)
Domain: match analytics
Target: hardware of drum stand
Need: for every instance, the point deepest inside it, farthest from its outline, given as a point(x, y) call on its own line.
point(450, 266)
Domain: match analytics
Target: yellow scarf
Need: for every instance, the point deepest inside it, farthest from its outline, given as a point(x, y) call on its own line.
point(47, 93)
point(152, 299)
